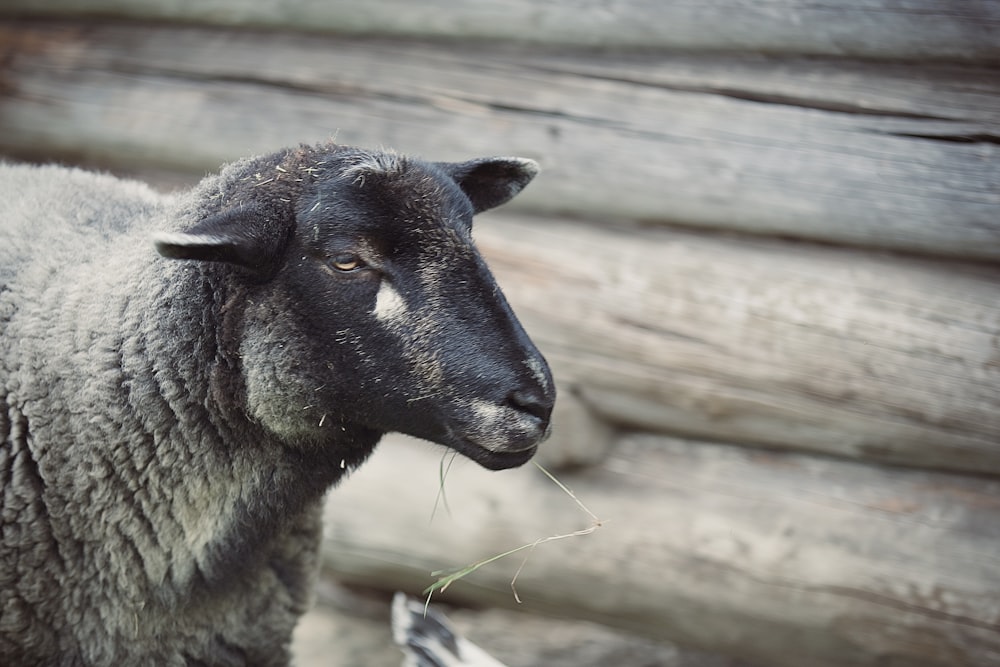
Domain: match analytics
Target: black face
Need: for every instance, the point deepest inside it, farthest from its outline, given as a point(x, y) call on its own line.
point(383, 315)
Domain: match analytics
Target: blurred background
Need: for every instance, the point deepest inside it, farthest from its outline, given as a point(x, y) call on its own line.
point(761, 259)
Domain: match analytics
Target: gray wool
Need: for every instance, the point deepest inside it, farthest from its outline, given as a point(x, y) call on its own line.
point(132, 529)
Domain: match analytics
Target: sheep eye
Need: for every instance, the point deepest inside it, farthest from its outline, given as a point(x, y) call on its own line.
point(347, 262)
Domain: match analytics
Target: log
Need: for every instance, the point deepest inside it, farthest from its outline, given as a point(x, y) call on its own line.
point(348, 627)
point(583, 436)
point(854, 153)
point(917, 29)
point(786, 345)
point(781, 559)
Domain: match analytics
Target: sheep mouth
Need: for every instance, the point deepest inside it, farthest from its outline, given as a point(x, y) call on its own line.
point(499, 445)
point(494, 460)
point(510, 455)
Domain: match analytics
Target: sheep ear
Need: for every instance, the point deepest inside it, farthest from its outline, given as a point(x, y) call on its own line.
point(244, 235)
point(491, 181)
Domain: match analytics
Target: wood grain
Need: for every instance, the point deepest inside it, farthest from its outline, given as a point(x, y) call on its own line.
point(916, 29)
point(782, 344)
point(849, 153)
point(780, 559)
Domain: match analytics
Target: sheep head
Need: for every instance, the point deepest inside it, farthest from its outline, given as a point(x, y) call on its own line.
point(367, 307)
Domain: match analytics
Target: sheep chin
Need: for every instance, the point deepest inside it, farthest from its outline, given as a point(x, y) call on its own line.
point(499, 448)
point(492, 459)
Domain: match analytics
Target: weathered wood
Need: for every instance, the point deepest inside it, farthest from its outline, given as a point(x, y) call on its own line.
point(921, 29)
point(789, 345)
point(349, 629)
point(784, 560)
point(882, 155)
point(583, 436)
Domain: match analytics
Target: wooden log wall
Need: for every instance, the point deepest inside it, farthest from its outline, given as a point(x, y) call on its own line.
point(847, 353)
point(916, 29)
point(860, 154)
point(771, 223)
point(782, 559)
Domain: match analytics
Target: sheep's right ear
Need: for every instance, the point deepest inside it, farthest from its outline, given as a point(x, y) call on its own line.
point(244, 235)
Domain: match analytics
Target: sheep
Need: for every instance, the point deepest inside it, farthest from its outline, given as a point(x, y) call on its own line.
point(170, 420)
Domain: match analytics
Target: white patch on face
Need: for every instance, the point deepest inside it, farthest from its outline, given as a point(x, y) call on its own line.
point(389, 304)
point(418, 330)
point(490, 413)
point(494, 423)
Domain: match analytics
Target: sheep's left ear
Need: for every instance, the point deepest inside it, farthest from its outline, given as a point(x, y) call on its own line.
point(491, 181)
point(247, 236)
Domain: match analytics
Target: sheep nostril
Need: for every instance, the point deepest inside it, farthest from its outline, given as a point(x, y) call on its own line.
point(532, 401)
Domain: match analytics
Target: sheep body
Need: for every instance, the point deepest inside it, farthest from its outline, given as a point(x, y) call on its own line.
point(168, 428)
